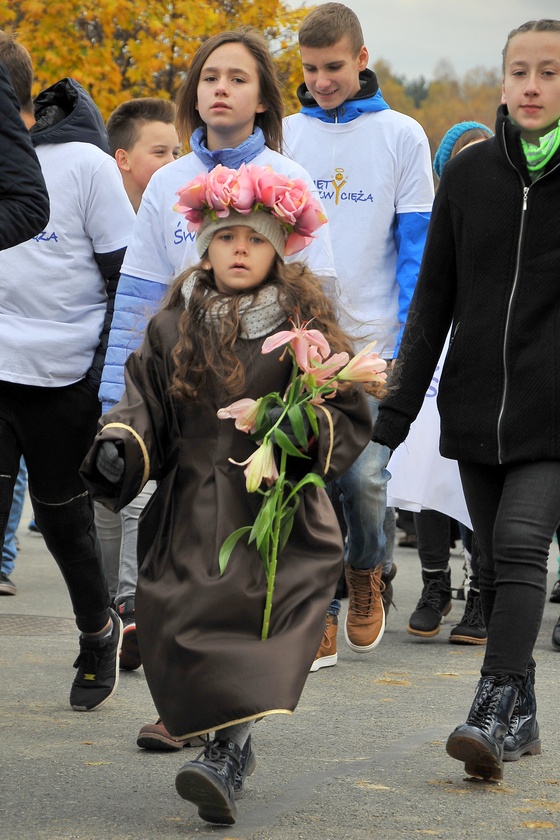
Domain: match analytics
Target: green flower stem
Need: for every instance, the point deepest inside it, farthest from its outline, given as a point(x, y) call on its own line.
point(273, 547)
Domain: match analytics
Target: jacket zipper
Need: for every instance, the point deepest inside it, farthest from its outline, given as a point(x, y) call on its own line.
point(508, 316)
point(512, 294)
point(336, 111)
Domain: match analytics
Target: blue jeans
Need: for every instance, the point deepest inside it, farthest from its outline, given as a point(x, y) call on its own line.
point(363, 495)
point(514, 510)
point(9, 549)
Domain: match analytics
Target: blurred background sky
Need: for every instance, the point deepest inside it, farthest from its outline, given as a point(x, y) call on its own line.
point(414, 35)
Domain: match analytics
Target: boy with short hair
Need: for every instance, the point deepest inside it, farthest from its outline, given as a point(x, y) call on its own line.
point(372, 167)
point(142, 139)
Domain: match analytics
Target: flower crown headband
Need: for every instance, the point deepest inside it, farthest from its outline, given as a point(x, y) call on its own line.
point(253, 189)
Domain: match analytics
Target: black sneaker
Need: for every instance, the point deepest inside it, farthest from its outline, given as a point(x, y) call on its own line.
point(130, 658)
point(7, 587)
point(209, 783)
point(98, 671)
point(246, 767)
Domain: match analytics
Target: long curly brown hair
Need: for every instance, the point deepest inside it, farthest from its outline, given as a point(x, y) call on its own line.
point(206, 349)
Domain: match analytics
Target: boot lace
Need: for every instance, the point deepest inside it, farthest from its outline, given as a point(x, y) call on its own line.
point(485, 707)
point(216, 754)
point(473, 613)
point(432, 593)
point(326, 643)
point(364, 593)
point(88, 661)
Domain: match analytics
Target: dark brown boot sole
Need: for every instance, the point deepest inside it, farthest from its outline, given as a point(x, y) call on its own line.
point(477, 756)
point(202, 787)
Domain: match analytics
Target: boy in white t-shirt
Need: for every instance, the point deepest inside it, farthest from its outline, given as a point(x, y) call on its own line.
point(142, 138)
point(55, 313)
point(372, 168)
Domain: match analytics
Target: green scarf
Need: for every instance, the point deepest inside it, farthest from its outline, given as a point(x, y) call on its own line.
point(538, 156)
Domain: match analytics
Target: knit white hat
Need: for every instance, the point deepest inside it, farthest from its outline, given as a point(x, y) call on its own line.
point(259, 221)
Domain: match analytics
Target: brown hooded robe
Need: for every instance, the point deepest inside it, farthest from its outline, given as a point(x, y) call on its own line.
point(199, 632)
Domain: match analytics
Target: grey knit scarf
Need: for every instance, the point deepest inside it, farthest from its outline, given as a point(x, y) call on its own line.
point(259, 316)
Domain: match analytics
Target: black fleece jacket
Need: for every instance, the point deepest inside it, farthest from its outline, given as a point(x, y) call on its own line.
point(491, 273)
point(24, 201)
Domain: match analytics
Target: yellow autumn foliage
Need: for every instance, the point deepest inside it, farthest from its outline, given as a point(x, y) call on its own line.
point(120, 49)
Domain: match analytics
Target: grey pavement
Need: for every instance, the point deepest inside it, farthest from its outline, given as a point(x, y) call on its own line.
point(362, 757)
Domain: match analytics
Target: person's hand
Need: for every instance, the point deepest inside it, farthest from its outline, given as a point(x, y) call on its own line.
point(109, 463)
point(286, 426)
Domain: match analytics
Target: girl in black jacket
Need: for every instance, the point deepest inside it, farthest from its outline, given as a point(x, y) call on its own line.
point(491, 273)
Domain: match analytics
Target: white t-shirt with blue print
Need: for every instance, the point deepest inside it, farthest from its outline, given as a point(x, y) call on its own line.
point(161, 246)
point(369, 171)
point(52, 293)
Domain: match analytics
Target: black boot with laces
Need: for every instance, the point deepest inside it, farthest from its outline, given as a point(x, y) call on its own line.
point(523, 734)
point(471, 630)
point(480, 741)
point(209, 781)
point(434, 603)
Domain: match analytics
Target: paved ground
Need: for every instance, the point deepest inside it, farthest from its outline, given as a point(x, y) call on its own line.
point(362, 757)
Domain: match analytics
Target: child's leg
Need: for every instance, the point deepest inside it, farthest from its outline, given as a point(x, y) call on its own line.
point(238, 733)
point(215, 779)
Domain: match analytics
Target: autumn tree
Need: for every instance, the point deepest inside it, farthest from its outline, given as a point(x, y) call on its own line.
point(450, 100)
point(446, 100)
point(118, 49)
point(392, 88)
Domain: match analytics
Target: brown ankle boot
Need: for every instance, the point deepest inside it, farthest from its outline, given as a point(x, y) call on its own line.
point(327, 655)
point(365, 621)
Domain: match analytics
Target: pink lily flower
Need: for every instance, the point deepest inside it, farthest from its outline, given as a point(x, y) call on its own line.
point(259, 466)
point(322, 372)
point(306, 344)
point(244, 412)
point(365, 366)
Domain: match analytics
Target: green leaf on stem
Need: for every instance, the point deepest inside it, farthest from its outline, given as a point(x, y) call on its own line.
point(264, 520)
point(298, 426)
point(287, 523)
point(312, 417)
point(310, 478)
point(284, 442)
point(262, 423)
point(228, 546)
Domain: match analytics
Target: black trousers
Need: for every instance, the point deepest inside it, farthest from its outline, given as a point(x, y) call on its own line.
point(515, 509)
point(53, 428)
point(434, 534)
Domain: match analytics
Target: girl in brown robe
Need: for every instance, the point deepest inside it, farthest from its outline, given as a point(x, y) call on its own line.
point(200, 631)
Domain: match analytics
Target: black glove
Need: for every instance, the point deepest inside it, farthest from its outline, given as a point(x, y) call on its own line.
point(109, 463)
point(286, 426)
